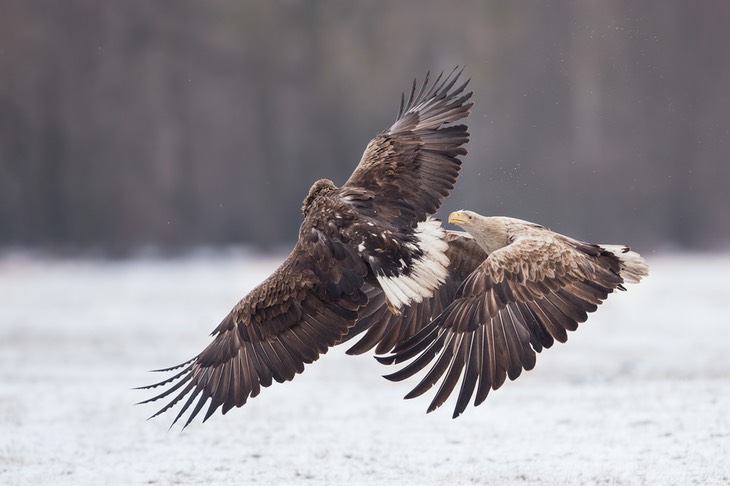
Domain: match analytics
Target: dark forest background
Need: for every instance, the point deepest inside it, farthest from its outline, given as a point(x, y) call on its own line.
point(149, 124)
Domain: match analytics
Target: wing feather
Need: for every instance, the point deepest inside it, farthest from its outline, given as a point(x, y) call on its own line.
point(485, 376)
point(471, 373)
point(455, 365)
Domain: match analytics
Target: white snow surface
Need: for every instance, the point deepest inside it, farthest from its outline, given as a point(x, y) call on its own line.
point(640, 394)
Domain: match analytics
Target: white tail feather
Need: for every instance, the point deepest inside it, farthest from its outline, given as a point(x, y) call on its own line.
point(633, 265)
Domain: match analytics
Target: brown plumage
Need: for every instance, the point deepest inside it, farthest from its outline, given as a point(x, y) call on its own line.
point(374, 232)
point(524, 288)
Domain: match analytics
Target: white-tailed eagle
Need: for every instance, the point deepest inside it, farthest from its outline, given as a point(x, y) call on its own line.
point(371, 236)
point(514, 288)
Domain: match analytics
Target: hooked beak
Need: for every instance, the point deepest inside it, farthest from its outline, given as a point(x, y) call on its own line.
point(457, 217)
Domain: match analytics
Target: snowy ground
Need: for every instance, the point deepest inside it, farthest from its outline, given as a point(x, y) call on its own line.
point(639, 395)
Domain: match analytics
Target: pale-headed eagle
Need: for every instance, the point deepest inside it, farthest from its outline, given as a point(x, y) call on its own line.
point(514, 288)
point(373, 236)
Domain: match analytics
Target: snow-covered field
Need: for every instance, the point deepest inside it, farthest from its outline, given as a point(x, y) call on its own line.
point(639, 395)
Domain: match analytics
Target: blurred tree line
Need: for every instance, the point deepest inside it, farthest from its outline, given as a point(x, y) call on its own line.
point(172, 124)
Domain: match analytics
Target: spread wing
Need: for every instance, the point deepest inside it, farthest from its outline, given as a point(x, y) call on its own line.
point(519, 301)
point(407, 170)
point(402, 178)
point(385, 330)
point(295, 315)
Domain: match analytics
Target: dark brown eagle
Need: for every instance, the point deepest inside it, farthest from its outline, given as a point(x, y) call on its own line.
point(371, 237)
point(514, 288)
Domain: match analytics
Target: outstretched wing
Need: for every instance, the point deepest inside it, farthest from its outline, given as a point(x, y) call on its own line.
point(385, 330)
point(403, 176)
point(296, 314)
point(519, 301)
point(407, 170)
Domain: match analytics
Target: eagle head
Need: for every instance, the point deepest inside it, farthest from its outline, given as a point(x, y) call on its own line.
point(319, 188)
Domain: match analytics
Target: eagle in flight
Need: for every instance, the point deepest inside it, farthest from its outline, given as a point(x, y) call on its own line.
point(371, 262)
point(515, 287)
point(371, 237)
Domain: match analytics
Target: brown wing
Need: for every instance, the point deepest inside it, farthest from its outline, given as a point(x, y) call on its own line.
point(406, 171)
point(521, 299)
point(384, 330)
point(295, 315)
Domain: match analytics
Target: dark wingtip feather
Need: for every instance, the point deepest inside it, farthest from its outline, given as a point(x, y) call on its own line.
point(172, 368)
point(386, 360)
point(423, 359)
point(164, 382)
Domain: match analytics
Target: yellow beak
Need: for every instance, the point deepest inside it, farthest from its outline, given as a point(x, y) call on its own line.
point(457, 217)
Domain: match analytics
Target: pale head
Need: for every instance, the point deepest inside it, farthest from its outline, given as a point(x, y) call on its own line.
point(489, 232)
point(463, 218)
